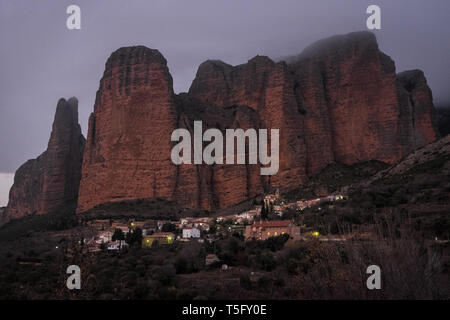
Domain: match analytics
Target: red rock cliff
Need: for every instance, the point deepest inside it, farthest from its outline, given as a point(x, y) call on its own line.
point(416, 120)
point(50, 182)
point(128, 149)
point(267, 88)
point(338, 101)
point(347, 87)
point(128, 144)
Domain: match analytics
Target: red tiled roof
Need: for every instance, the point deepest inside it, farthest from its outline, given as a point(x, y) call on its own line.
point(161, 234)
point(273, 223)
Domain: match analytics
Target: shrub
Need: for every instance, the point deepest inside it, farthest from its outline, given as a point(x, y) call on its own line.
point(245, 282)
point(267, 261)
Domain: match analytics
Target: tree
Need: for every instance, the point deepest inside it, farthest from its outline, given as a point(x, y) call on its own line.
point(134, 237)
point(245, 282)
point(271, 207)
point(276, 243)
point(137, 236)
point(118, 235)
point(267, 261)
point(168, 227)
point(264, 282)
point(213, 229)
point(181, 265)
point(264, 212)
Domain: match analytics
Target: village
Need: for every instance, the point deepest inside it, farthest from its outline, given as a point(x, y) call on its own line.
point(252, 224)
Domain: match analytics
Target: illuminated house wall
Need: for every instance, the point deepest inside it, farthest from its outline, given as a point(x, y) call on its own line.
point(262, 230)
point(161, 237)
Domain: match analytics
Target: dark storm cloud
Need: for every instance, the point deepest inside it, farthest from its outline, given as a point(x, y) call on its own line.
point(42, 61)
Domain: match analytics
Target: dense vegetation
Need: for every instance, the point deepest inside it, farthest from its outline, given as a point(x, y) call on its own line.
point(271, 269)
point(407, 216)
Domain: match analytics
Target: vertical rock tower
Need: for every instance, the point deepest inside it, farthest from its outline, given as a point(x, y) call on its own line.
point(51, 181)
point(128, 144)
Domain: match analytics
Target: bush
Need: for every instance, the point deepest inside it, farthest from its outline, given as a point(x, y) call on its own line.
point(168, 227)
point(118, 235)
point(164, 274)
point(267, 261)
point(181, 265)
point(276, 243)
point(264, 282)
point(245, 282)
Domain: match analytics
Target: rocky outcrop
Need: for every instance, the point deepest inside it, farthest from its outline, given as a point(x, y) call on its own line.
point(347, 88)
point(338, 101)
point(417, 125)
point(51, 181)
point(443, 121)
point(219, 185)
point(128, 144)
point(2, 215)
point(267, 88)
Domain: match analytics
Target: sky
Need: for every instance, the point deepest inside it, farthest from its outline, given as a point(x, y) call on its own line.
point(41, 60)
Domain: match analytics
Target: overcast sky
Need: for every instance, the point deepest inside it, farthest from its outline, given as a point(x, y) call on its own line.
point(41, 60)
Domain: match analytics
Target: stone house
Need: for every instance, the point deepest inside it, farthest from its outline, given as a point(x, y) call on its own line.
point(161, 237)
point(262, 230)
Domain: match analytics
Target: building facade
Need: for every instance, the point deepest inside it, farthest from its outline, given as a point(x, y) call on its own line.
point(117, 245)
point(160, 237)
point(191, 233)
point(262, 230)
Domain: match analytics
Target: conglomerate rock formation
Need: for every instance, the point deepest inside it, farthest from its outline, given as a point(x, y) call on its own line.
point(51, 181)
point(340, 100)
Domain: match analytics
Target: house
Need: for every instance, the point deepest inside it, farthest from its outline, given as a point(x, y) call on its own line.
point(238, 228)
point(191, 233)
point(117, 245)
point(262, 230)
point(124, 227)
point(150, 227)
point(160, 223)
point(100, 224)
point(210, 259)
point(138, 224)
point(159, 238)
point(105, 236)
point(200, 224)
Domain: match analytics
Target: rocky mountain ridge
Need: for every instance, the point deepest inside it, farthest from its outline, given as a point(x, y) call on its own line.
point(51, 181)
point(339, 101)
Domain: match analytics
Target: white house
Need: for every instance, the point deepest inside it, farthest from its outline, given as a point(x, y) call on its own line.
point(105, 236)
point(117, 245)
point(191, 233)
